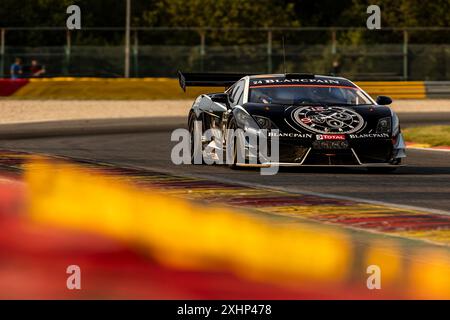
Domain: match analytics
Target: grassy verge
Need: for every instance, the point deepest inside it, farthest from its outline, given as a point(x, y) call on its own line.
point(433, 135)
point(110, 89)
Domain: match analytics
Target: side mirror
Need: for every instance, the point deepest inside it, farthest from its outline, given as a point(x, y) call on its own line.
point(221, 98)
point(383, 100)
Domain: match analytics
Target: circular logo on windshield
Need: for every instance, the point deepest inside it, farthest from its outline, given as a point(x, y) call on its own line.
point(328, 119)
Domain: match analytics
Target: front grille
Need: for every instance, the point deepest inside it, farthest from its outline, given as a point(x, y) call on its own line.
point(292, 153)
point(330, 145)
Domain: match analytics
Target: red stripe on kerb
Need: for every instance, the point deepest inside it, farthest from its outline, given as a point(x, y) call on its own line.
point(301, 85)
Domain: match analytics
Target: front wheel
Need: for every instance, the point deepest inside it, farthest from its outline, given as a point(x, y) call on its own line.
point(195, 132)
point(232, 163)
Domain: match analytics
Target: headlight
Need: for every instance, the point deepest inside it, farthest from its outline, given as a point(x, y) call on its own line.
point(245, 121)
point(384, 125)
point(263, 122)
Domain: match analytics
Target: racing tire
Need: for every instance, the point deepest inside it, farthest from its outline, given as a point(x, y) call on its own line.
point(193, 133)
point(233, 165)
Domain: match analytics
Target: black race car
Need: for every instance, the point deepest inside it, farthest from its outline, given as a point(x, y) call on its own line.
point(317, 120)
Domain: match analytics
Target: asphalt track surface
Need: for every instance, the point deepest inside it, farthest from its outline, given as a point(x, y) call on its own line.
point(424, 182)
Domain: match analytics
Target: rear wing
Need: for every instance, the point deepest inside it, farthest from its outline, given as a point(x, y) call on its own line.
point(208, 79)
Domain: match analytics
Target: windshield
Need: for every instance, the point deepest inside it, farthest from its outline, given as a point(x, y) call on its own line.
point(308, 94)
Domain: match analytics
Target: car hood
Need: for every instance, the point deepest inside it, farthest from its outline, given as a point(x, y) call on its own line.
point(336, 119)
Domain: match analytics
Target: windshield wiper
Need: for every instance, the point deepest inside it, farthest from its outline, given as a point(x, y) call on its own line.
point(347, 104)
point(306, 103)
point(356, 105)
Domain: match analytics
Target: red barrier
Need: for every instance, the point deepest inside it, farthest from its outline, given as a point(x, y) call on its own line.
point(9, 86)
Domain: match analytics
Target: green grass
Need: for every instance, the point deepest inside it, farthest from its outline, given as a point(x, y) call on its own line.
point(433, 135)
point(105, 89)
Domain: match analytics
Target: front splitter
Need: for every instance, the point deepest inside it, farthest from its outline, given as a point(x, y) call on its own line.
point(289, 164)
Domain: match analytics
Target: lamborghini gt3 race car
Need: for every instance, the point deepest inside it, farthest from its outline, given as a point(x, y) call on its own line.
point(318, 120)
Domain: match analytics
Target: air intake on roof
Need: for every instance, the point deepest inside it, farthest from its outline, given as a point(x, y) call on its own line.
point(300, 76)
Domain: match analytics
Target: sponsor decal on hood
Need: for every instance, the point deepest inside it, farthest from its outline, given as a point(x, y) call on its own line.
point(290, 135)
point(328, 119)
point(369, 135)
point(330, 136)
point(286, 81)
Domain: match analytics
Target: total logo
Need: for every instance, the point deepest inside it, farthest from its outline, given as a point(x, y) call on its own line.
point(330, 136)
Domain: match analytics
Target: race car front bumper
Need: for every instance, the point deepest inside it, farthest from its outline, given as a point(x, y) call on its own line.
point(362, 153)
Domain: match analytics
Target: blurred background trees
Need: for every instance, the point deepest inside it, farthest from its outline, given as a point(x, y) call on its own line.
point(231, 36)
point(219, 14)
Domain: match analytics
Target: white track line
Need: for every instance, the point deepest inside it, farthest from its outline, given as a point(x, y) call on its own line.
point(285, 189)
point(258, 185)
point(327, 195)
